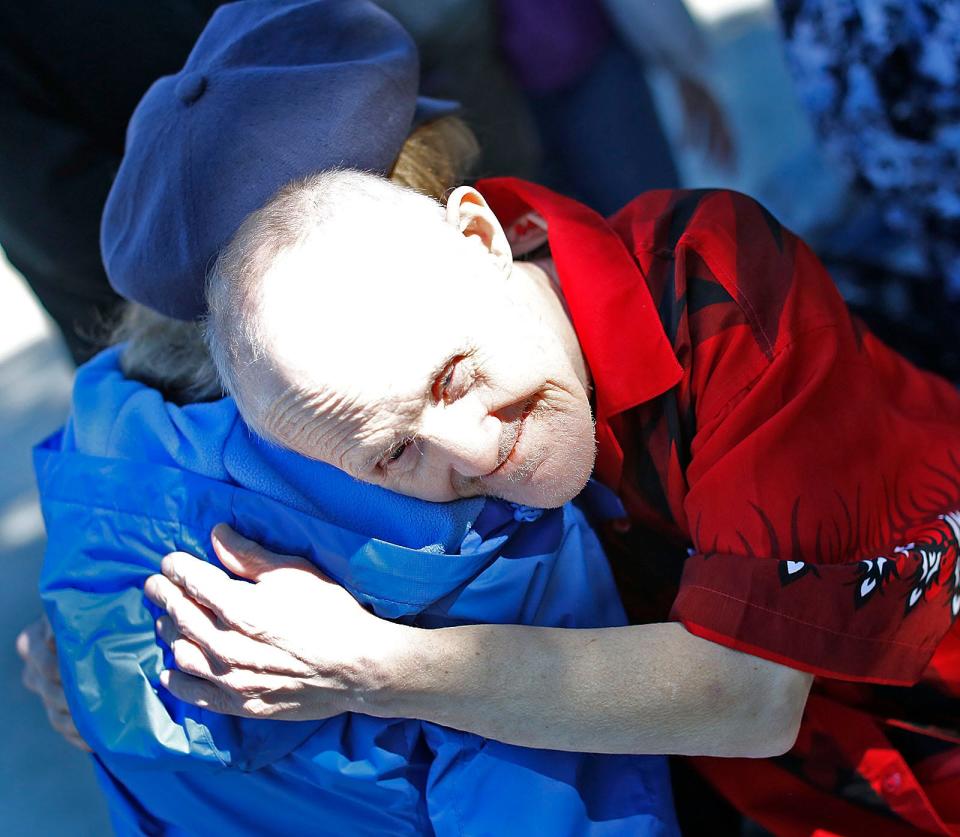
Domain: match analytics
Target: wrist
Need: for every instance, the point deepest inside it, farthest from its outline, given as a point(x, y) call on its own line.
point(394, 668)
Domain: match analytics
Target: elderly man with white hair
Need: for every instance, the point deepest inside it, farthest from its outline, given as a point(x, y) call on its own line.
point(153, 457)
point(790, 488)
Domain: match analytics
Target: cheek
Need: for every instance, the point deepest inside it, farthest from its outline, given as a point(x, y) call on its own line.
point(572, 441)
point(526, 362)
point(565, 448)
point(425, 484)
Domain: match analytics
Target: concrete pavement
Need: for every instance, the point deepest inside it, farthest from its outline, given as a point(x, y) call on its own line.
point(46, 787)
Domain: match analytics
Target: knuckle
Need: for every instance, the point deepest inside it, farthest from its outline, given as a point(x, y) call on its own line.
point(192, 587)
point(184, 616)
point(174, 611)
point(242, 684)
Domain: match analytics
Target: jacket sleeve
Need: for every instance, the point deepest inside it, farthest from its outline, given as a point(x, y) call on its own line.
point(97, 560)
point(823, 481)
point(542, 791)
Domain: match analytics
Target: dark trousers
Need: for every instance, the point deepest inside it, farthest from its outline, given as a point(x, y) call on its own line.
point(71, 73)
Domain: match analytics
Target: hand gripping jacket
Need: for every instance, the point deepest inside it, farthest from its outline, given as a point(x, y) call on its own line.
point(132, 478)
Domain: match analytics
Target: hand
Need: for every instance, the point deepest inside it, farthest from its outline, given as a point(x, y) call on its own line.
point(291, 645)
point(37, 648)
point(704, 123)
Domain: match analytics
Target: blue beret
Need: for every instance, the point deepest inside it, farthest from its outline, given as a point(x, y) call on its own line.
point(273, 90)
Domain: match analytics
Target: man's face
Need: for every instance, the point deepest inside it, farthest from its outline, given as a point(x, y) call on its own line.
point(418, 364)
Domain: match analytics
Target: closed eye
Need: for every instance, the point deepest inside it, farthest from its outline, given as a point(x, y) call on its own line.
point(453, 382)
point(398, 451)
point(393, 456)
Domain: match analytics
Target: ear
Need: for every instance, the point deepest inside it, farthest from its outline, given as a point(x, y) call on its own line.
point(470, 214)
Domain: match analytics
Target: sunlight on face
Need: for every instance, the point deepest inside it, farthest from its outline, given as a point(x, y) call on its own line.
point(409, 358)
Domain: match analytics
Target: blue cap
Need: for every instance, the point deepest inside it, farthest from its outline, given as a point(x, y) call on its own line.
point(274, 90)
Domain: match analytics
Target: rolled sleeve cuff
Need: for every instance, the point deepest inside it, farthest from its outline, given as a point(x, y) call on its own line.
point(810, 617)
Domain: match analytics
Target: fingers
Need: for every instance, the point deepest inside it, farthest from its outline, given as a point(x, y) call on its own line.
point(202, 693)
point(47, 632)
point(37, 653)
point(75, 740)
point(191, 618)
point(226, 648)
point(191, 660)
point(55, 704)
point(30, 638)
point(62, 723)
point(248, 559)
point(41, 675)
point(194, 690)
point(206, 584)
point(49, 689)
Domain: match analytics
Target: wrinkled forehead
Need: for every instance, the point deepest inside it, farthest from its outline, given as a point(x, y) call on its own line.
point(370, 319)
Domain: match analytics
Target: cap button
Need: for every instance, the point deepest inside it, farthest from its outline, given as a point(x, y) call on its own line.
point(190, 87)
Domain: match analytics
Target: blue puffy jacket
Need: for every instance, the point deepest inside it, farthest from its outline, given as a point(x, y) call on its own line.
point(132, 478)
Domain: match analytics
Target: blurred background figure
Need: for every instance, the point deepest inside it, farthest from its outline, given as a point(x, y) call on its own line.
point(583, 65)
point(584, 122)
point(881, 83)
point(71, 74)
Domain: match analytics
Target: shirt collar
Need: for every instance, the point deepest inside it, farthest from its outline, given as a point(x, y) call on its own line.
point(628, 352)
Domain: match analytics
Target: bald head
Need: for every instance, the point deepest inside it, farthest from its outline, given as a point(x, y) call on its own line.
point(341, 245)
point(348, 309)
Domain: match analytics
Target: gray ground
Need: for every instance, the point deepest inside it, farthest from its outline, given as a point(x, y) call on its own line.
point(47, 788)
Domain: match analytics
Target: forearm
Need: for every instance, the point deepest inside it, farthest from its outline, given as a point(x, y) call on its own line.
point(640, 689)
point(295, 645)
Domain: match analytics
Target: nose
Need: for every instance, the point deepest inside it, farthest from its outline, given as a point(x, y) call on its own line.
point(465, 437)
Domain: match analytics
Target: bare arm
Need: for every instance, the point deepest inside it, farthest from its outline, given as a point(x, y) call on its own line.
point(639, 689)
point(294, 645)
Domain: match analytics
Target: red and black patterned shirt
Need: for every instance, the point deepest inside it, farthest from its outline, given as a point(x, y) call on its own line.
point(792, 485)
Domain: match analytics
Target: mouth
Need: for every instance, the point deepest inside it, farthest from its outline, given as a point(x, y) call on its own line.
point(510, 455)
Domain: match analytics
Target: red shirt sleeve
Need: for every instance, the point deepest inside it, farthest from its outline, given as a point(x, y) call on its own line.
point(822, 487)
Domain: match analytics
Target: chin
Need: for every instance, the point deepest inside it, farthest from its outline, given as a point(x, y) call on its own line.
point(555, 481)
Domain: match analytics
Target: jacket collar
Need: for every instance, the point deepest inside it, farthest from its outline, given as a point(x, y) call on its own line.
point(628, 352)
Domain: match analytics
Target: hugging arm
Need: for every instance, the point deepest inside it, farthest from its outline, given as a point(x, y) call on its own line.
point(640, 689)
point(790, 424)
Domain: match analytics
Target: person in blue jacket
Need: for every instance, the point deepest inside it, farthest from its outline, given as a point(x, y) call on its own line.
point(133, 477)
point(152, 459)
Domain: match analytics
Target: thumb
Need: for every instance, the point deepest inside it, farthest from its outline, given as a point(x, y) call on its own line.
point(249, 560)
